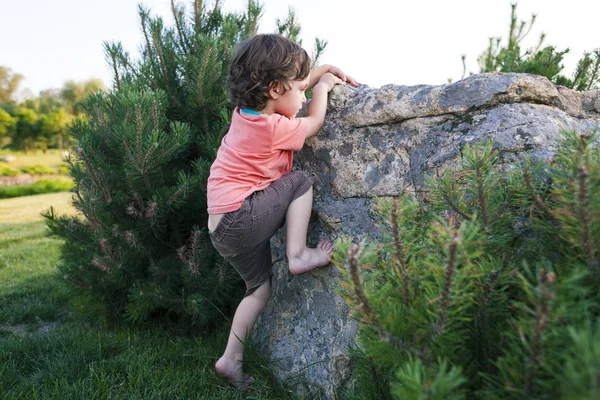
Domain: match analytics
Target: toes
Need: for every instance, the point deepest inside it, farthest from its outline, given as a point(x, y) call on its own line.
point(326, 245)
point(245, 384)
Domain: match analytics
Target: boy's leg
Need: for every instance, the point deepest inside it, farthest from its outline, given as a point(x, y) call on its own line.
point(301, 258)
point(230, 365)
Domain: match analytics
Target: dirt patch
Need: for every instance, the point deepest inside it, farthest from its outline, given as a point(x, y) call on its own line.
point(25, 179)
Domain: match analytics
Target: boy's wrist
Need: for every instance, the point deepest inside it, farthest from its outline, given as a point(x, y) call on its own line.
point(321, 86)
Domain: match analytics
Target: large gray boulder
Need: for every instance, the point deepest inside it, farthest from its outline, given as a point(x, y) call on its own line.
point(380, 142)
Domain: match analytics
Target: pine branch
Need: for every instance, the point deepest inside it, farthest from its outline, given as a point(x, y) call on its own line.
point(115, 67)
point(157, 46)
point(198, 6)
point(584, 219)
point(80, 205)
point(140, 131)
point(484, 314)
point(546, 295)
point(100, 117)
point(481, 195)
point(133, 241)
point(189, 255)
point(455, 207)
point(450, 270)
point(74, 282)
point(150, 212)
point(144, 18)
point(104, 192)
point(216, 7)
point(138, 73)
point(133, 211)
point(101, 265)
point(178, 26)
point(402, 270)
point(108, 253)
point(155, 116)
point(536, 198)
point(363, 302)
point(205, 59)
point(182, 189)
point(595, 70)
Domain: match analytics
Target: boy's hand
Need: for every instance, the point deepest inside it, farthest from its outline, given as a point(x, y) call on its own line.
point(345, 78)
point(329, 80)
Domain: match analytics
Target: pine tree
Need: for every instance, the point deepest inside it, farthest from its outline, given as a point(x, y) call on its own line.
point(140, 165)
point(486, 286)
point(545, 61)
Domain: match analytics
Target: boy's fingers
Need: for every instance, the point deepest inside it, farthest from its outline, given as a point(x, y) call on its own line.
point(353, 81)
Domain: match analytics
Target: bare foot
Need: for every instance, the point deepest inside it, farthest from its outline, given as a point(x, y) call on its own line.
point(310, 259)
point(232, 371)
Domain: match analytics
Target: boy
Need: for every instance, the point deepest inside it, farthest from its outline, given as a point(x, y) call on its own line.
point(251, 191)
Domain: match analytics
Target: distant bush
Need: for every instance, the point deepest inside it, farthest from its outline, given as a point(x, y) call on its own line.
point(38, 170)
point(39, 187)
point(63, 169)
point(6, 170)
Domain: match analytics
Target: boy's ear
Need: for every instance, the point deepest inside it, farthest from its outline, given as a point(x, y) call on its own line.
point(274, 90)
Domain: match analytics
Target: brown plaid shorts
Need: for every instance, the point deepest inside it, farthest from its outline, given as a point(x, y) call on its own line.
point(243, 236)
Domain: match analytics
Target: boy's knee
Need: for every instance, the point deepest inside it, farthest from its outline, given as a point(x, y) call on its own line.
point(263, 293)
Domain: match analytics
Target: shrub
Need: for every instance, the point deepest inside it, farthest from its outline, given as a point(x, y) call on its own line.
point(63, 169)
point(6, 170)
point(140, 168)
point(38, 170)
point(487, 287)
point(39, 187)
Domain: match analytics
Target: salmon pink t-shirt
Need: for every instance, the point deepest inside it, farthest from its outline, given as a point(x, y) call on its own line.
point(257, 150)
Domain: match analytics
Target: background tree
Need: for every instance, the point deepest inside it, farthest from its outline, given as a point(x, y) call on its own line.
point(26, 134)
point(53, 125)
point(47, 102)
point(545, 61)
point(9, 83)
point(40, 122)
point(73, 93)
point(7, 123)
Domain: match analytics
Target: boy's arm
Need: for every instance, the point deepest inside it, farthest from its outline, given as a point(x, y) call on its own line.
point(318, 104)
point(317, 73)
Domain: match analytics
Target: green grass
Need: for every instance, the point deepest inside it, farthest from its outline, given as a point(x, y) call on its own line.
point(47, 351)
point(50, 158)
point(73, 361)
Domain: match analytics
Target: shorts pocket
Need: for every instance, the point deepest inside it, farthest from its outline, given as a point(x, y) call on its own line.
point(264, 224)
point(228, 232)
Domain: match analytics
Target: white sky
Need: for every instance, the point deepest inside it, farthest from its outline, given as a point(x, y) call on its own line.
point(405, 42)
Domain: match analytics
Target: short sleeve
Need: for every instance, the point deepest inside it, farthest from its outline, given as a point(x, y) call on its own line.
point(289, 133)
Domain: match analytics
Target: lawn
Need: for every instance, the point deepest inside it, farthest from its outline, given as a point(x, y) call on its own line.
point(52, 157)
point(48, 351)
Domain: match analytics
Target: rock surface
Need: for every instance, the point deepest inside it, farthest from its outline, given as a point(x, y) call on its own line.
point(381, 142)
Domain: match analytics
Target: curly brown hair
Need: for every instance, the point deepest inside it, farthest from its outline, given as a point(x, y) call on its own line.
point(262, 62)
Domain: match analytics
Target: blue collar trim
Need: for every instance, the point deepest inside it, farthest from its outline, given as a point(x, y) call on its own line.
point(249, 111)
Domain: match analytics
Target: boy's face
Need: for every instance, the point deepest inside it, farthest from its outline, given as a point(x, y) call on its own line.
point(290, 102)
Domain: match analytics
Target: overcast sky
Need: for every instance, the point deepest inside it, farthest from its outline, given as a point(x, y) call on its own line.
point(376, 41)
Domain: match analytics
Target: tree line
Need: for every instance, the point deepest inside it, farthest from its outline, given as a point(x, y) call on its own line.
point(40, 122)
